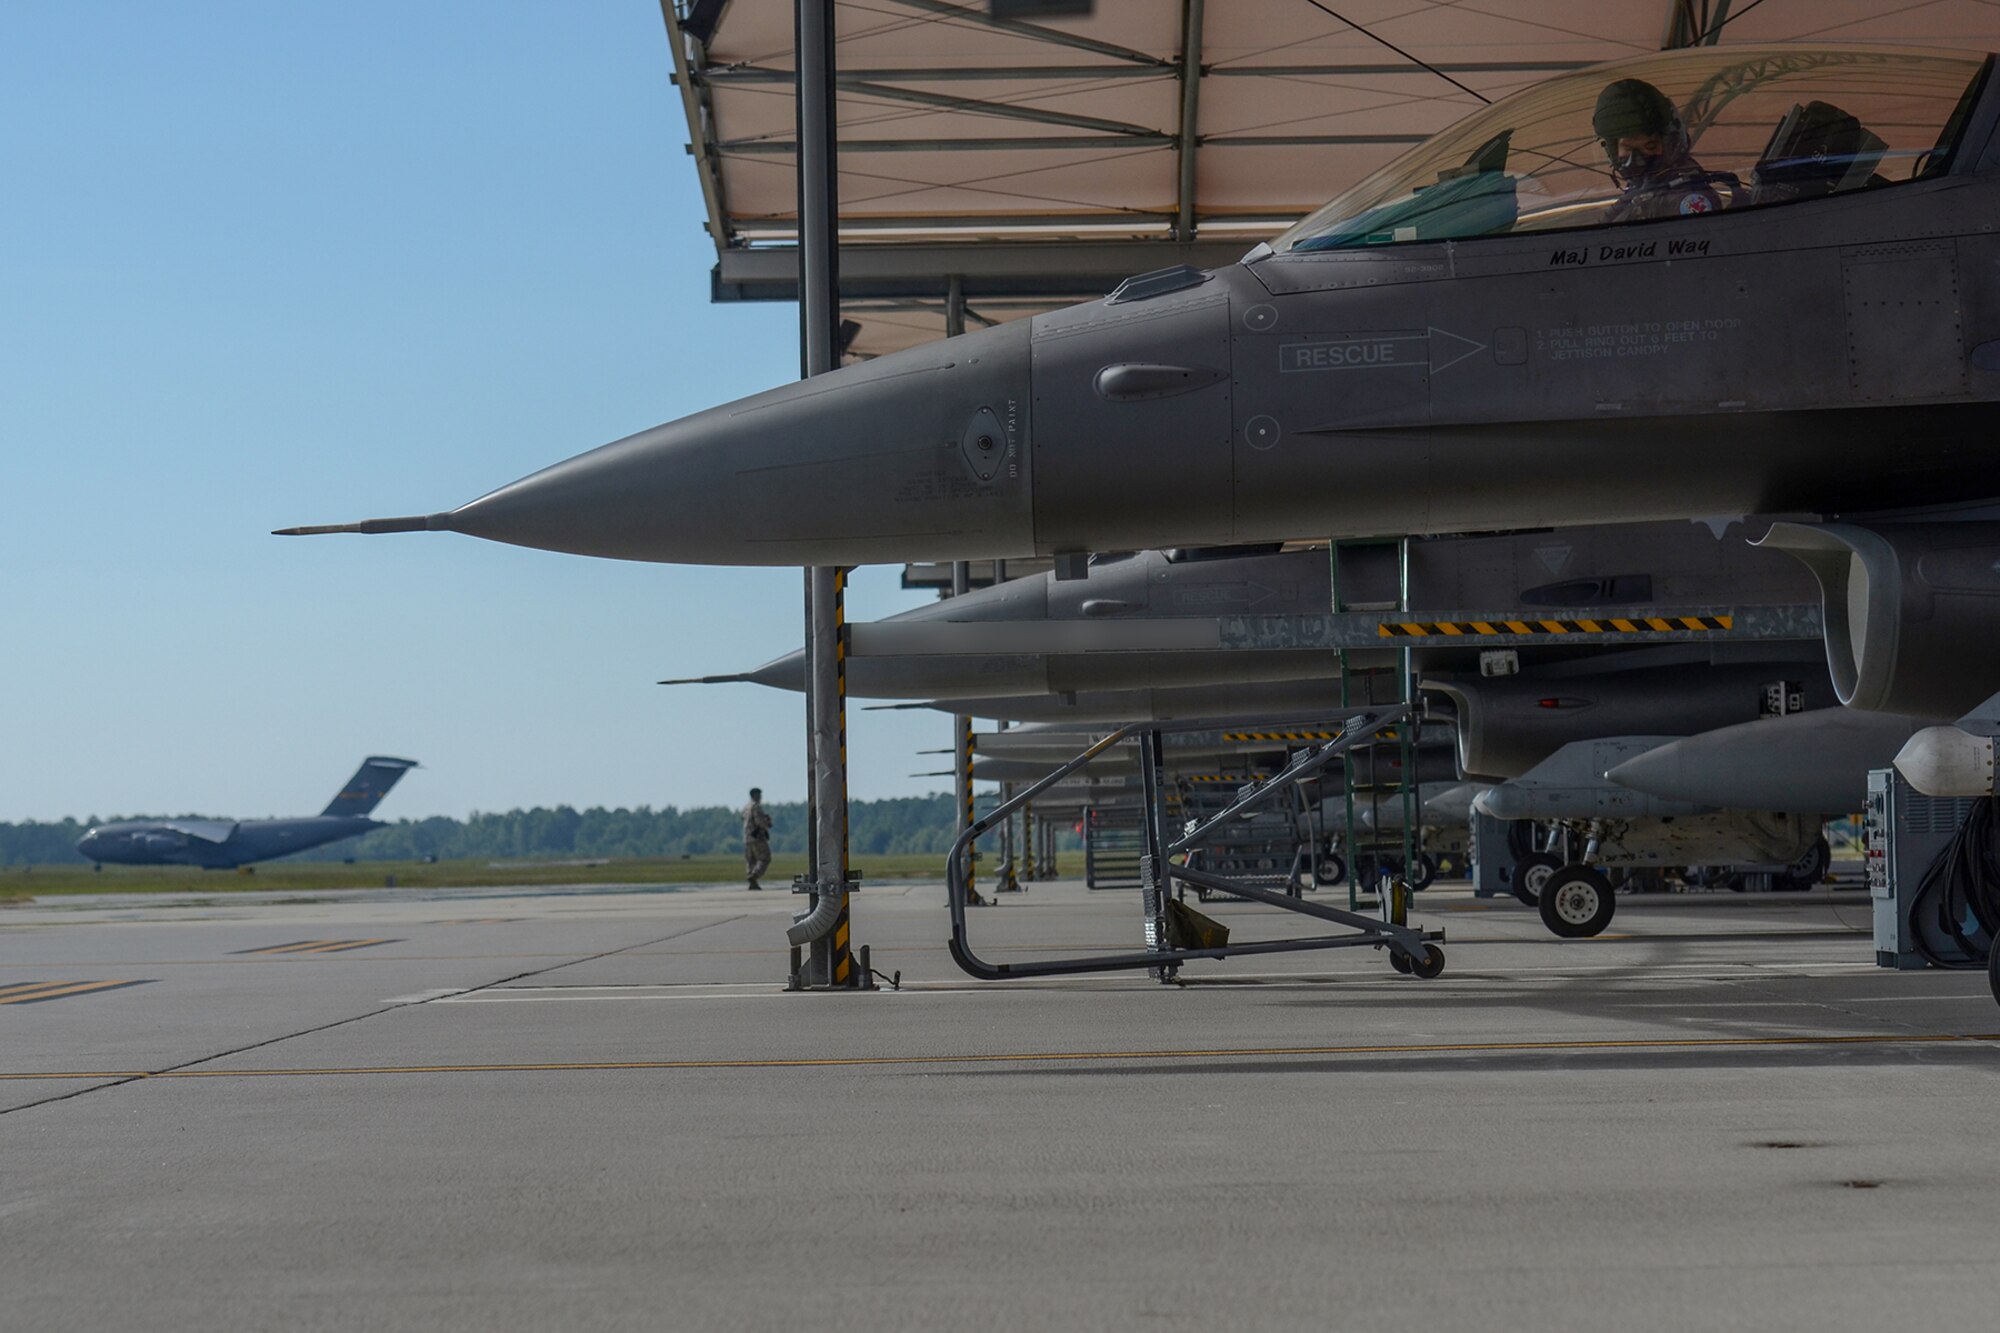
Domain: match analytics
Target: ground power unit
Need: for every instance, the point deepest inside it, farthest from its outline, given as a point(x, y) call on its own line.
point(1906, 832)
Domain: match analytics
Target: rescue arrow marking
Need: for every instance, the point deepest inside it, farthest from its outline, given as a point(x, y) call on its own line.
point(1451, 342)
point(1433, 350)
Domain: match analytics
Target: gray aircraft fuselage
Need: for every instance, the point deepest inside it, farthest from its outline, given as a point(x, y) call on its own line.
point(224, 844)
point(1509, 724)
point(1276, 701)
point(1102, 632)
point(1831, 355)
point(148, 842)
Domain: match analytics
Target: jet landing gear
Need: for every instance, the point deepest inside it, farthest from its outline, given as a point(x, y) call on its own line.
point(1576, 901)
point(1531, 872)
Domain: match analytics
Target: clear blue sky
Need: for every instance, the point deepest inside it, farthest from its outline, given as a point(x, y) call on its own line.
point(264, 264)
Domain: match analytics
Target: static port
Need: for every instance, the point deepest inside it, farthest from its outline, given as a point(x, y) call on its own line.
point(985, 443)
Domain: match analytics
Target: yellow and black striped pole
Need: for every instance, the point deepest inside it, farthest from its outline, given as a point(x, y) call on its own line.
point(827, 874)
point(1030, 863)
point(961, 740)
point(966, 813)
point(841, 960)
point(816, 143)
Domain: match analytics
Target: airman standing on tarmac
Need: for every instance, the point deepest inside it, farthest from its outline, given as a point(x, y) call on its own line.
point(756, 837)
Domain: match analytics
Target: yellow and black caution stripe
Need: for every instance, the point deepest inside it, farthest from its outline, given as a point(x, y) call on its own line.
point(297, 947)
point(34, 992)
point(1453, 629)
point(1280, 735)
point(843, 957)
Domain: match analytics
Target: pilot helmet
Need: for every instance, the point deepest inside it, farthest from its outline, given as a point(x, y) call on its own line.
point(1632, 109)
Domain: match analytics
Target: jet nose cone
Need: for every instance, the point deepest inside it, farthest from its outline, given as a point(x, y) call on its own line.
point(87, 845)
point(919, 455)
point(640, 498)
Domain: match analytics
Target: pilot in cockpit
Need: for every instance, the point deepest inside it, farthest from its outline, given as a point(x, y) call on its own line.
point(1647, 145)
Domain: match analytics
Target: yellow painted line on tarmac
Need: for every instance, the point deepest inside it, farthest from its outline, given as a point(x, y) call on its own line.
point(37, 992)
point(302, 947)
point(21, 992)
point(1047, 1057)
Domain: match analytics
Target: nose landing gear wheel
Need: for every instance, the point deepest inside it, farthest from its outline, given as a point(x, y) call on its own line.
point(1425, 872)
point(1807, 871)
point(1577, 902)
point(1330, 871)
point(1531, 872)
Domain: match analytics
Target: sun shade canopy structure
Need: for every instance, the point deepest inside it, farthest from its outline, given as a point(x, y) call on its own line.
point(1040, 162)
point(1753, 127)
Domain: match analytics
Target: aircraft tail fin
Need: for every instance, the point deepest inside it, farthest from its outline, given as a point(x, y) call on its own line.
point(370, 783)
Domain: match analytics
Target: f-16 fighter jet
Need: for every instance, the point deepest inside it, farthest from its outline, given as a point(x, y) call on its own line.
point(1710, 283)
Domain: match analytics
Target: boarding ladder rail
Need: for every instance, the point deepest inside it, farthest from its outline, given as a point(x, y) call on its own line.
point(1410, 948)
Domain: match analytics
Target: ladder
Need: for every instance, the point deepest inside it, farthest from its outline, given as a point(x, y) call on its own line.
point(1383, 771)
point(1113, 839)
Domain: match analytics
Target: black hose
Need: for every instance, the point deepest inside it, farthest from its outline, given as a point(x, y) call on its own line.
point(1961, 883)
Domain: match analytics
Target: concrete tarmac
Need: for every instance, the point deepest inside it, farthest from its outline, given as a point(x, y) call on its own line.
point(596, 1109)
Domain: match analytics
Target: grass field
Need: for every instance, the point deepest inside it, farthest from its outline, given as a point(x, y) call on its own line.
point(22, 883)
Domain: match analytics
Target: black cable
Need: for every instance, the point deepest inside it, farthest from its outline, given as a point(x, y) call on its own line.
point(1708, 38)
point(1384, 41)
point(1960, 886)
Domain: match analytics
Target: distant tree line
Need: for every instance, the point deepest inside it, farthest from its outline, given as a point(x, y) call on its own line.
point(885, 827)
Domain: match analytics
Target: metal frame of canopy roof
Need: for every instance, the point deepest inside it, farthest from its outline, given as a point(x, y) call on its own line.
point(1040, 163)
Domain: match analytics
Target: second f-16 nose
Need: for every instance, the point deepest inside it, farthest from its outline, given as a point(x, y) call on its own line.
point(919, 455)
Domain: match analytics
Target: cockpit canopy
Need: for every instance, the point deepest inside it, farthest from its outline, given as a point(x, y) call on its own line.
point(1762, 127)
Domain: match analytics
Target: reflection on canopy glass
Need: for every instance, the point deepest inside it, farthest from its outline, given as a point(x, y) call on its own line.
point(1684, 132)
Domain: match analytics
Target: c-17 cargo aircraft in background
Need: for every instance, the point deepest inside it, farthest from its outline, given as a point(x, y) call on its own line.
point(224, 844)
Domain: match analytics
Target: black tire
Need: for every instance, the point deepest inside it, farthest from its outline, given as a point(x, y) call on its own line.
point(1400, 961)
point(1807, 871)
point(1577, 902)
point(1993, 971)
point(1530, 873)
point(1426, 872)
point(1330, 871)
point(1430, 965)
